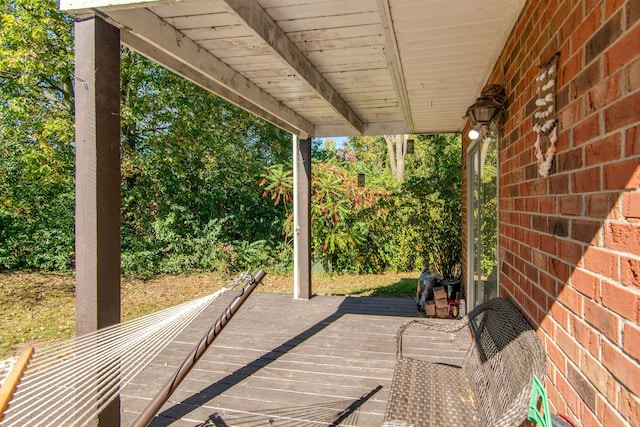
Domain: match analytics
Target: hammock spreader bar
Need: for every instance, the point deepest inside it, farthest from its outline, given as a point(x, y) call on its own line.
point(154, 406)
point(11, 382)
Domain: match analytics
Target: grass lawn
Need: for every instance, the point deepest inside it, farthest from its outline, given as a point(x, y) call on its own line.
point(38, 308)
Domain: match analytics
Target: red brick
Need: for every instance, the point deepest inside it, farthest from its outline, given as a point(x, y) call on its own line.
point(631, 203)
point(547, 244)
point(570, 24)
point(556, 355)
point(620, 175)
point(559, 269)
point(559, 184)
point(570, 251)
point(603, 205)
point(622, 300)
point(612, 6)
point(569, 115)
point(548, 283)
point(585, 231)
point(601, 261)
point(623, 51)
point(585, 335)
point(603, 94)
point(597, 374)
point(630, 269)
point(602, 319)
point(607, 415)
point(631, 340)
point(586, 130)
point(632, 11)
point(540, 298)
point(632, 76)
point(603, 150)
point(586, 181)
point(629, 406)
point(539, 260)
point(559, 226)
point(603, 38)
point(570, 299)
point(588, 27)
point(556, 13)
point(621, 367)
point(548, 204)
point(632, 141)
point(624, 237)
point(582, 386)
point(585, 283)
point(569, 160)
point(570, 205)
point(569, 394)
point(623, 113)
point(568, 345)
point(585, 80)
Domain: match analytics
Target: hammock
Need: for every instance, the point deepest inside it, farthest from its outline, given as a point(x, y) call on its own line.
point(71, 382)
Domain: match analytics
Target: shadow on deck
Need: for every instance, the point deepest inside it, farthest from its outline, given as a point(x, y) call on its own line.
point(284, 362)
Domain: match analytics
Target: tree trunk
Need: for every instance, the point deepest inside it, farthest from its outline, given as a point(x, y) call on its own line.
point(391, 153)
point(397, 154)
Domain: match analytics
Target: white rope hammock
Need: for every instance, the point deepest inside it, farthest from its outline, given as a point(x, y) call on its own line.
point(70, 383)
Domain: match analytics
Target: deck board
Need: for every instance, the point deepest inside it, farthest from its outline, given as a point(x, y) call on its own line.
point(286, 362)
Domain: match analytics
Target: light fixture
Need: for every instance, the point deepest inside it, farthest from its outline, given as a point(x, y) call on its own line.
point(474, 132)
point(491, 104)
point(361, 180)
point(482, 111)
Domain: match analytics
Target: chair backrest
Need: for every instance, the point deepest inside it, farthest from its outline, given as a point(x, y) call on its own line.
point(506, 353)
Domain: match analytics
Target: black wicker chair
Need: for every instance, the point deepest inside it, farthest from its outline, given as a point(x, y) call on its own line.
point(491, 388)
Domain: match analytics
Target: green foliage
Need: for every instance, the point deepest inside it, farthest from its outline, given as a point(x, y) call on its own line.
point(190, 161)
point(205, 185)
point(434, 190)
point(36, 136)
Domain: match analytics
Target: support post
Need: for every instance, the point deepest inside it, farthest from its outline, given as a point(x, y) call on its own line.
point(302, 218)
point(97, 112)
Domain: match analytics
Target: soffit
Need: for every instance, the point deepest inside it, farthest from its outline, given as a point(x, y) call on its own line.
point(325, 67)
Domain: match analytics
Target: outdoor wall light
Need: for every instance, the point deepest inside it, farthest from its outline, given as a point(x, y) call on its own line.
point(491, 104)
point(474, 133)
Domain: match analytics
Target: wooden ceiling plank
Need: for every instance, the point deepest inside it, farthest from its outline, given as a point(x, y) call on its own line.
point(314, 10)
point(394, 63)
point(185, 8)
point(329, 34)
point(256, 18)
point(148, 27)
point(327, 22)
point(137, 44)
point(82, 7)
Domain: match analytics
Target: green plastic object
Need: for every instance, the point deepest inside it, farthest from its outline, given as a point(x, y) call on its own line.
point(539, 393)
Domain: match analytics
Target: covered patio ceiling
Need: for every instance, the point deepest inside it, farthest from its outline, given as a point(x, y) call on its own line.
point(324, 68)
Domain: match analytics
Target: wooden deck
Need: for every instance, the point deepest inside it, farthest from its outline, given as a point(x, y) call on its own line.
point(284, 362)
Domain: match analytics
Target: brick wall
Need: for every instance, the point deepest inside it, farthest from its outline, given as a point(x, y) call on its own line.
point(570, 243)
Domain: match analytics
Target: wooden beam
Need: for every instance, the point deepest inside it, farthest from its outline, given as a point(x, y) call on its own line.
point(261, 23)
point(81, 5)
point(301, 218)
point(374, 128)
point(148, 27)
point(394, 64)
point(142, 47)
point(97, 106)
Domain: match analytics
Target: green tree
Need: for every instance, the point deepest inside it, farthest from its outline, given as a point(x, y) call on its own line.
point(433, 191)
point(190, 161)
point(36, 133)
